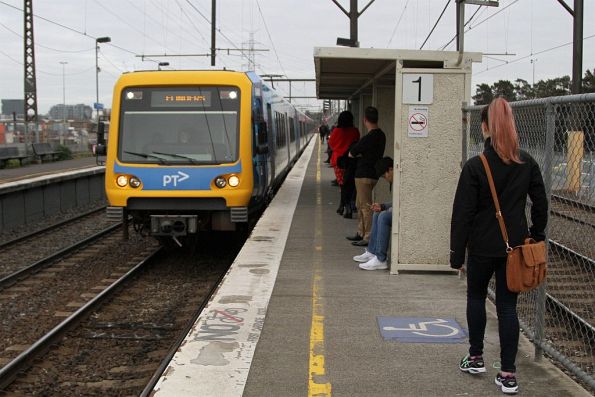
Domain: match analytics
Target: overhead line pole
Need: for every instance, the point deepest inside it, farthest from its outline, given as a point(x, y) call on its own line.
point(30, 76)
point(461, 22)
point(275, 78)
point(577, 48)
point(577, 44)
point(213, 31)
point(353, 15)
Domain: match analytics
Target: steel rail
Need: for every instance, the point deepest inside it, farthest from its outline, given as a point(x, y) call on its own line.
point(579, 204)
point(51, 227)
point(572, 252)
point(14, 277)
point(571, 218)
point(172, 351)
point(557, 302)
point(11, 370)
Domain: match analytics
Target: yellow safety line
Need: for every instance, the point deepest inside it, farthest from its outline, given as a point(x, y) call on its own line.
point(318, 383)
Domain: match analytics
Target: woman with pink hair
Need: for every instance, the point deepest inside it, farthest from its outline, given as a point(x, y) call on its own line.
point(475, 230)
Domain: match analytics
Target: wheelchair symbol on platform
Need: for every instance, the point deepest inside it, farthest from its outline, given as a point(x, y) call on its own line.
point(423, 326)
point(422, 330)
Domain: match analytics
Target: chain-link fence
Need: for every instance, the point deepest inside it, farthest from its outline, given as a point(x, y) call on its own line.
point(559, 133)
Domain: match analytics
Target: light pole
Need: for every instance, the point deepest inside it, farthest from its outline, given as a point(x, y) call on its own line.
point(533, 63)
point(97, 41)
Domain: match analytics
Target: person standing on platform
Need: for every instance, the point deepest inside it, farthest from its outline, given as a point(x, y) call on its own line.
point(323, 131)
point(475, 229)
point(329, 152)
point(368, 151)
point(349, 164)
point(375, 256)
point(343, 136)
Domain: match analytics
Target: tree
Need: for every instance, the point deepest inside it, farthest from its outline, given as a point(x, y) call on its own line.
point(504, 89)
point(523, 90)
point(589, 81)
point(559, 86)
point(483, 94)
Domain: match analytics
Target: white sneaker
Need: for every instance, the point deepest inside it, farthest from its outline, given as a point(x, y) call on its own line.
point(373, 264)
point(366, 256)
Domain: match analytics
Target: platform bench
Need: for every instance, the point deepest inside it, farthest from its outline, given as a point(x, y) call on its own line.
point(10, 153)
point(44, 151)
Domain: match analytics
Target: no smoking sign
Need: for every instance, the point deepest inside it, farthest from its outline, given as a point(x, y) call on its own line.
point(417, 122)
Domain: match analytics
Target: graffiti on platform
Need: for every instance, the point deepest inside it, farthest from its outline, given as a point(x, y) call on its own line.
point(221, 325)
point(225, 324)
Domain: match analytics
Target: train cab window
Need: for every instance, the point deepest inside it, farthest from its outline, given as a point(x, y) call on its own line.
point(179, 125)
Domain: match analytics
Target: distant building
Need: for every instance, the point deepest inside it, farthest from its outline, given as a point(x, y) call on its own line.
point(13, 105)
point(71, 112)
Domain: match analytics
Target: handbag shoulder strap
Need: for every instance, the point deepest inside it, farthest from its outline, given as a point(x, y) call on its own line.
point(484, 160)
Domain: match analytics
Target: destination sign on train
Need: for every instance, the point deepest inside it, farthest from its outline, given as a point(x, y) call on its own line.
point(181, 99)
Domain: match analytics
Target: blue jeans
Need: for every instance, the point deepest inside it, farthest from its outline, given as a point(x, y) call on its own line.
point(380, 236)
point(479, 272)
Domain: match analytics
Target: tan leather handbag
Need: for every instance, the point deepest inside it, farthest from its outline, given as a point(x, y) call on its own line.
point(525, 264)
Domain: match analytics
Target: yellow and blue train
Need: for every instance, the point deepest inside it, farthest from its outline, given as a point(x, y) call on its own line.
point(198, 150)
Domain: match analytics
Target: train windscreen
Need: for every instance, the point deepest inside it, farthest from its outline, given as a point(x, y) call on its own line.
point(193, 125)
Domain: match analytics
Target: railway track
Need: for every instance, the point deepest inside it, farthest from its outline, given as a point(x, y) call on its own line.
point(568, 321)
point(35, 300)
point(21, 252)
point(567, 288)
point(54, 226)
point(569, 317)
point(573, 210)
point(119, 345)
point(28, 270)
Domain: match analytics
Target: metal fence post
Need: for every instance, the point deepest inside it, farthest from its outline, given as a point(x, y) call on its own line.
point(465, 123)
point(550, 116)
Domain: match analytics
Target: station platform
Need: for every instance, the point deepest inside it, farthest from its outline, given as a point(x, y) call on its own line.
point(32, 170)
point(319, 334)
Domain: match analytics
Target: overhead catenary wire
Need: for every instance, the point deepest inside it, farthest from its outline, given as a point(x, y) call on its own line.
point(397, 25)
point(44, 46)
point(466, 23)
point(119, 18)
point(74, 30)
point(435, 24)
point(270, 38)
point(530, 55)
point(218, 30)
point(148, 16)
point(482, 21)
point(44, 72)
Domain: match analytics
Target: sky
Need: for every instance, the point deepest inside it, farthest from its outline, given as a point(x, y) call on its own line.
point(65, 31)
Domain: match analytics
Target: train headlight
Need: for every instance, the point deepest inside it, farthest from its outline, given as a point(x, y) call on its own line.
point(220, 182)
point(233, 181)
point(134, 182)
point(122, 180)
point(233, 95)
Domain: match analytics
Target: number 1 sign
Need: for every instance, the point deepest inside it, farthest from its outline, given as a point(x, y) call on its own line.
point(418, 88)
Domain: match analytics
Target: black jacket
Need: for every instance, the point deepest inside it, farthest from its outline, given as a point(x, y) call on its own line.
point(474, 225)
point(371, 149)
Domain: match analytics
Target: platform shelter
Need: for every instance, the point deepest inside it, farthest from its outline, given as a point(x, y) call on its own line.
point(419, 95)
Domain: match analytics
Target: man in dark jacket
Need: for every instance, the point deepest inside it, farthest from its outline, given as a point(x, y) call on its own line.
point(368, 151)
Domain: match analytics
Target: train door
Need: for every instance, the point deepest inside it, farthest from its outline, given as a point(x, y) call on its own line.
point(292, 138)
point(287, 138)
point(271, 143)
point(260, 149)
